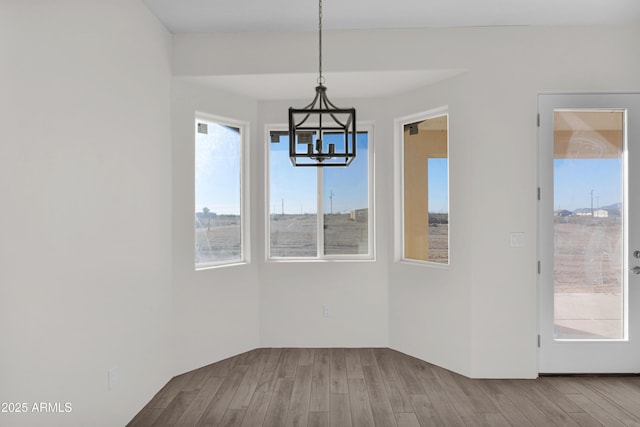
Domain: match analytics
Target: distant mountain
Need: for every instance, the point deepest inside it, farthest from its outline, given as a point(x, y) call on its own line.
point(615, 206)
point(614, 210)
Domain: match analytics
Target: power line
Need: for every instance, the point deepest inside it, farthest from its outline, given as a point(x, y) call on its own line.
point(331, 198)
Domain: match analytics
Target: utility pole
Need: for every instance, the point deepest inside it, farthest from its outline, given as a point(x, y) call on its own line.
point(282, 201)
point(591, 203)
point(331, 198)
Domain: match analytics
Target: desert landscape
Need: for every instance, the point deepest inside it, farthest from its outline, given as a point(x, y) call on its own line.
point(217, 237)
point(588, 254)
point(439, 237)
point(294, 235)
point(588, 251)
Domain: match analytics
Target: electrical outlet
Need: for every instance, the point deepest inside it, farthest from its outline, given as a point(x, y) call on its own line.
point(326, 311)
point(112, 378)
point(517, 240)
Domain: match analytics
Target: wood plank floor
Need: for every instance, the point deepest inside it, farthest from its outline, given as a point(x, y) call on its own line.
point(379, 387)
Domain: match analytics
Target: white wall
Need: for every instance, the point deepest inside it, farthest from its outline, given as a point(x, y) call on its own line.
point(431, 306)
point(491, 287)
point(216, 310)
point(292, 294)
point(85, 246)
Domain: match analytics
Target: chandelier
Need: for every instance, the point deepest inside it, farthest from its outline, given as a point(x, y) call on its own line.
point(322, 134)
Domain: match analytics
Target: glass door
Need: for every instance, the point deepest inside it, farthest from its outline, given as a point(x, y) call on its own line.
point(589, 298)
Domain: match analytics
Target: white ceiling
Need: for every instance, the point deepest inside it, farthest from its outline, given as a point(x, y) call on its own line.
point(199, 16)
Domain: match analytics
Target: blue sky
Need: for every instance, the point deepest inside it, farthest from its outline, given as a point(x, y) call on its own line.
point(218, 179)
point(217, 165)
point(438, 179)
point(295, 187)
point(575, 178)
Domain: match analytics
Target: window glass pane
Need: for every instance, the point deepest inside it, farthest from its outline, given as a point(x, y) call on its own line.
point(588, 224)
point(217, 193)
point(346, 202)
point(438, 196)
point(293, 203)
point(426, 190)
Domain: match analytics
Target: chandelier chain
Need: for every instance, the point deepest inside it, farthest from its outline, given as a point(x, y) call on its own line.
point(320, 76)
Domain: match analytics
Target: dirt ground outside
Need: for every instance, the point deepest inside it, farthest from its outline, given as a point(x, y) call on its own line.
point(439, 243)
point(588, 277)
point(588, 254)
point(218, 239)
point(294, 235)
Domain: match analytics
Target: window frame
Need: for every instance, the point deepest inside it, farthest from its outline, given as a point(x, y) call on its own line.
point(399, 209)
point(245, 175)
point(320, 256)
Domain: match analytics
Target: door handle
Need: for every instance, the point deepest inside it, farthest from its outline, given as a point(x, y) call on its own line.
point(635, 270)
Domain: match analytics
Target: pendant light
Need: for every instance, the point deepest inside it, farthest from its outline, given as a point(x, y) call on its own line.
point(322, 134)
